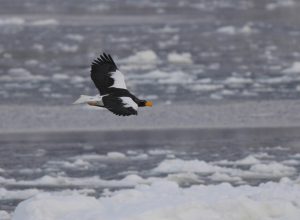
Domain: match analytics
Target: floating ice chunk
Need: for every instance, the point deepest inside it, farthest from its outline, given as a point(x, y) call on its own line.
point(31, 62)
point(21, 74)
point(77, 164)
point(159, 152)
point(67, 48)
point(165, 29)
point(183, 58)
point(17, 194)
point(75, 37)
point(146, 56)
point(99, 7)
point(83, 181)
point(224, 177)
point(45, 22)
point(230, 30)
point(238, 80)
point(176, 77)
point(38, 47)
point(277, 80)
point(166, 200)
point(184, 178)
point(116, 155)
point(291, 162)
point(280, 3)
point(249, 160)
point(247, 29)
point(205, 87)
point(274, 169)
point(60, 76)
point(294, 69)
point(108, 156)
point(78, 79)
point(12, 21)
point(178, 165)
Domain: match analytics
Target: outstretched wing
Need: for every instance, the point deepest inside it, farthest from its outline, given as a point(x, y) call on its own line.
point(105, 74)
point(122, 106)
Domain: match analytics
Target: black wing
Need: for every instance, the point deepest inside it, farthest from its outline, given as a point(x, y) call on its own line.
point(105, 74)
point(119, 106)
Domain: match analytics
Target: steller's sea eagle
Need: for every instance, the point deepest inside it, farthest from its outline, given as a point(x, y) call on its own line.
point(113, 92)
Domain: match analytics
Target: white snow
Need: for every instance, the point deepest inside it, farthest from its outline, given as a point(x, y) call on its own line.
point(165, 200)
point(181, 58)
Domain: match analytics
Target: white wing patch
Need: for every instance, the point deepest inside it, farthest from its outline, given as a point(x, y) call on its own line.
point(128, 102)
point(119, 81)
point(85, 98)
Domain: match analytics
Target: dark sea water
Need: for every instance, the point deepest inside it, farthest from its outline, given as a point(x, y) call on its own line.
point(233, 50)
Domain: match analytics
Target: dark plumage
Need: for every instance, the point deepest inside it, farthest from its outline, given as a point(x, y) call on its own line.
point(111, 85)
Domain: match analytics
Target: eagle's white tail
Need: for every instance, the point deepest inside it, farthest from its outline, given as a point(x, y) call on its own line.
point(84, 99)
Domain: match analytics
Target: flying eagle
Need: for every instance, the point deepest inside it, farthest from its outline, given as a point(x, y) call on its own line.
point(114, 95)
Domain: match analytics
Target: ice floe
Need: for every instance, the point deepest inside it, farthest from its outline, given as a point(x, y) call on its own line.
point(12, 21)
point(166, 200)
point(145, 56)
point(44, 22)
point(181, 58)
point(293, 69)
point(21, 74)
point(279, 4)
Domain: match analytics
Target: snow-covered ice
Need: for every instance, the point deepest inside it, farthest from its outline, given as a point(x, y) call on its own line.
point(166, 200)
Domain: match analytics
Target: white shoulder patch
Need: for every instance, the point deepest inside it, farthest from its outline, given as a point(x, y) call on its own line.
point(128, 102)
point(119, 81)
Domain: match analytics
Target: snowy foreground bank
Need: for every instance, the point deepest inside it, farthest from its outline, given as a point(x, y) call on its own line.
point(165, 200)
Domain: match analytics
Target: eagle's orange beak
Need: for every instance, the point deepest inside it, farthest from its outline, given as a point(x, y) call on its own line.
point(149, 104)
